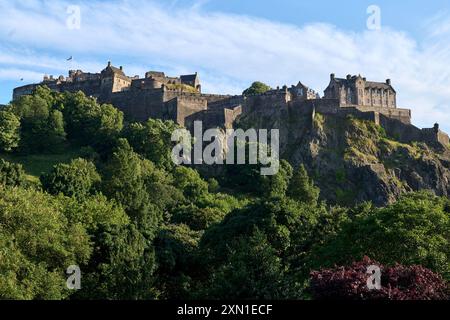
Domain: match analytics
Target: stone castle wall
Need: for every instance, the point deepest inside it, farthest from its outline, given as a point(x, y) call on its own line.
point(170, 94)
point(230, 116)
point(435, 135)
point(227, 103)
point(89, 87)
point(209, 118)
point(184, 106)
point(266, 102)
point(396, 122)
point(403, 115)
point(139, 105)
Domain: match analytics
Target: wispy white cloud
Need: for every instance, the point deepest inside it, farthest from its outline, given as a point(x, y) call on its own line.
point(228, 50)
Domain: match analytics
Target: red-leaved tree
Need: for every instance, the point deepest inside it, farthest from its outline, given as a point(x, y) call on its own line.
point(397, 283)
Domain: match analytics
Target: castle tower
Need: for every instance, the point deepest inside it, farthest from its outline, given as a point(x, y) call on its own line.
point(113, 80)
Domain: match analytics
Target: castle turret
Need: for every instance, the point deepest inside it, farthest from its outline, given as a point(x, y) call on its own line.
point(436, 127)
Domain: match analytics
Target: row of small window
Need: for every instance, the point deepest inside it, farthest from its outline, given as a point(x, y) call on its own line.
point(374, 92)
point(386, 101)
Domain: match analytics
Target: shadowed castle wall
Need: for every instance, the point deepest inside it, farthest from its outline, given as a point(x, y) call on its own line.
point(89, 87)
point(214, 118)
point(181, 108)
point(139, 105)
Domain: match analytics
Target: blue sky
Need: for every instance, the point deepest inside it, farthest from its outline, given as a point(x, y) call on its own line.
point(404, 15)
point(233, 42)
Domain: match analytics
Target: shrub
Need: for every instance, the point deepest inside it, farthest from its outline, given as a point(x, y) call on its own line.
point(11, 174)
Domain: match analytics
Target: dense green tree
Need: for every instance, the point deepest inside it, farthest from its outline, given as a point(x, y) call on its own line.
point(42, 123)
point(317, 224)
point(245, 178)
point(11, 174)
point(152, 139)
point(91, 123)
point(124, 179)
point(9, 131)
point(276, 185)
point(38, 243)
point(190, 183)
point(256, 88)
point(252, 271)
point(213, 185)
point(94, 212)
point(413, 230)
point(197, 218)
point(278, 218)
point(292, 228)
point(122, 262)
point(121, 267)
point(76, 179)
point(178, 263)
point(301, 187)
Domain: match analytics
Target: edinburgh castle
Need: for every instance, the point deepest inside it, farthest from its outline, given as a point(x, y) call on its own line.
point(180, 99)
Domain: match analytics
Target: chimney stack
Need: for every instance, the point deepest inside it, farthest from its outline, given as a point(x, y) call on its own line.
point(349, 76)
point(332, 76)
point(388, 82)
point(121, 68)
point(109, 63)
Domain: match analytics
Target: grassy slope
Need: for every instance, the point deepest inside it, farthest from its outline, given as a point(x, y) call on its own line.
point(36, 164)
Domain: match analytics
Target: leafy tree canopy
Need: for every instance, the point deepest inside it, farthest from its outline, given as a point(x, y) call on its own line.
point(38, 244)
point(9, 131)
point(256, 88)
point(413, 230)
point(42, 123)
point(152, 140)
point(76, 179)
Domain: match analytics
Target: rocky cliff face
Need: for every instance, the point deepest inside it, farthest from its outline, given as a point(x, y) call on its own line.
point(354, 160)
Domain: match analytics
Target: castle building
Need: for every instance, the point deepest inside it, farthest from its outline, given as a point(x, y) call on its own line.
point(156, 95)
point(111, 80)
point(300, 91)
point(356, 90)
point(366, 96)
